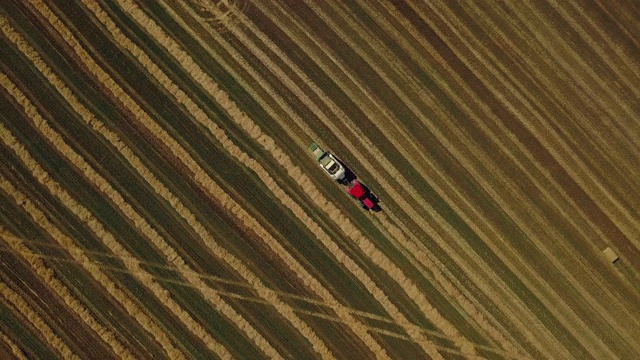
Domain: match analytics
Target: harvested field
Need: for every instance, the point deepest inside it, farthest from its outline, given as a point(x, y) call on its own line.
point(158, 200)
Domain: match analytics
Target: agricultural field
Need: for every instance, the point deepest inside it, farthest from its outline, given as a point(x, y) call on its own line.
point(158, 198)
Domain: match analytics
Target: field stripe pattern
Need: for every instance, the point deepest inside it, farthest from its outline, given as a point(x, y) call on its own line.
point(158, 199)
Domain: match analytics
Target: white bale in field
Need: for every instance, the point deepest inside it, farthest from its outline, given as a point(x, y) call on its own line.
point(610, 255)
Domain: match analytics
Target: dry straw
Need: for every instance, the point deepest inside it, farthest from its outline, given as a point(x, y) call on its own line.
point(48, 277)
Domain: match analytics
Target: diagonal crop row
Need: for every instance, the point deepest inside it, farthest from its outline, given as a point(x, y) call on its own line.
point(378, 257)
point(217, 249)
point(15, 349)
point(44, 178)
point(49, 277)
point(22, 306)
point(90, 266)
point(200, 176)
point(307, 130)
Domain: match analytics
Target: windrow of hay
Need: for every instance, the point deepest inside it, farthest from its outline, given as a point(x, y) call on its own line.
point(469, 307)
point(15, 349)
point(287, 201)
point(89, 265)
point(92, 222)
point(24, 251)
point(284, 309)
point(22, 306)
point(451, 290)
point(48, 276)
point(208, 184)
point(237, 115)
point(525, 324)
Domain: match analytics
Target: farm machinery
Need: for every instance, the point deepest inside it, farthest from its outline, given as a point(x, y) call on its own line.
point(339, 172)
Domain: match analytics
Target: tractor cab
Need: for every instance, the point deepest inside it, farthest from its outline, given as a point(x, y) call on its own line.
point(362, 194)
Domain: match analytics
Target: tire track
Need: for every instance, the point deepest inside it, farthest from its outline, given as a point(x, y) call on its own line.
point(83, 214)
point(312, 301)
point(202, 178)
point(308, 131)
point(23, 307)
point(48, 277)
point(223, 99)
point(445, 245)
point(171, 255)
point(321, 315)
point(64, 241)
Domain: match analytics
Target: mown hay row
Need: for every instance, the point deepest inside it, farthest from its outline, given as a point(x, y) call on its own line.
point(284, 309)
point(23, 307)
point(287, 201)
point(208, 184)
point(378, 257)
point(15, 349)
point(468, 306)
point(99, 229)
point(90, 266)
point(48, 276)
point(525, 325)
point(24, 251)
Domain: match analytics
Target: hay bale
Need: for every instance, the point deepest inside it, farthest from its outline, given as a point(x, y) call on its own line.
point(610, 255)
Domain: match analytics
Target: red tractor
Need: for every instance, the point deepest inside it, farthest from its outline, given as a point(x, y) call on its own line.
point(364, 196)
point(343, 175)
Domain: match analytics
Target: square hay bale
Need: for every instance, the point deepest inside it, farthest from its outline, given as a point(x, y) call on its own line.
point(610, 255)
